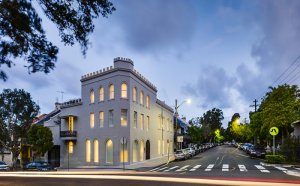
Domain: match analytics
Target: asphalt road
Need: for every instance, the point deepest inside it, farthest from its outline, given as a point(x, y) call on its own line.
point(224, 162)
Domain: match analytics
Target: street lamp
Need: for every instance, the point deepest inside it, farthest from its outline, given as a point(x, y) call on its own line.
point(188, 101)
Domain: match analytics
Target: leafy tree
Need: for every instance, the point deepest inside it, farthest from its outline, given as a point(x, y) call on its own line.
point(22, 35)
point(17, 111)
point(210, 122)
point(218, 138)
point(195, 133)
point(40, 138)
point(280, 107)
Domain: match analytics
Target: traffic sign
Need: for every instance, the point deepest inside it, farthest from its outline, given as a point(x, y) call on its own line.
point(274, 131)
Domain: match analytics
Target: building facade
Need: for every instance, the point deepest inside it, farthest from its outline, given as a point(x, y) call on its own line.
point(117, 121)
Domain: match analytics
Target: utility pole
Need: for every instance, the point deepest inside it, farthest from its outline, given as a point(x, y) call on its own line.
point(255, 105)
point(255, 110)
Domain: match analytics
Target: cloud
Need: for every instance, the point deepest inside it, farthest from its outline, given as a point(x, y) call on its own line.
point(213, 87)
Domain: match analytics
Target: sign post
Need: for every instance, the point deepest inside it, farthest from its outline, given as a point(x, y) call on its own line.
point(273, 131)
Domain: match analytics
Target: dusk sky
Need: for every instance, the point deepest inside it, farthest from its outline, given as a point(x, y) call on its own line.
point(221, 54)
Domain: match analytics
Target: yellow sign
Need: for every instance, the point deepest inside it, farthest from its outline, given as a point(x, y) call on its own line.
point(274, 131)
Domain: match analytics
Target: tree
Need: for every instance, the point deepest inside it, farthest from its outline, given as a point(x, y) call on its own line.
point(17, 112)
point(195, 133)
point(211, 121)
point(40, 138)
point(22, 35)
point(280, 107)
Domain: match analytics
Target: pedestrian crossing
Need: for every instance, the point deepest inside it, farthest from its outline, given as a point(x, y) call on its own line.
point(224, 168)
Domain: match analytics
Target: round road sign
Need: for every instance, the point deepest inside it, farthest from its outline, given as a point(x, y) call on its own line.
point(274, 131)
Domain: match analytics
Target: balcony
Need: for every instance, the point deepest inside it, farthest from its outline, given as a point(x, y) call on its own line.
point(68, 135)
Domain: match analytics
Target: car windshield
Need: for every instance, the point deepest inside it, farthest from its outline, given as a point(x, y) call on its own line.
point(2, 163)
point(150, 92)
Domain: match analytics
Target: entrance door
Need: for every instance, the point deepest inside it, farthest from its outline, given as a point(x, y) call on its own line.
point(147, 150)
point(54, 156)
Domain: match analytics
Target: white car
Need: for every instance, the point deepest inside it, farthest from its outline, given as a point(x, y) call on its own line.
point(191, 151)
point(3, 166)
point(180, 155)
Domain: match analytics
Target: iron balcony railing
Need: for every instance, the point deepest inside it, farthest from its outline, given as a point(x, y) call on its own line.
point(68, 133)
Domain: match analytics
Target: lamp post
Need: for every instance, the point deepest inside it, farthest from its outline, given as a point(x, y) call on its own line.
point(176, 116)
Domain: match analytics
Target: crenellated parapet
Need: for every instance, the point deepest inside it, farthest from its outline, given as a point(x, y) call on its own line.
point(71, 103)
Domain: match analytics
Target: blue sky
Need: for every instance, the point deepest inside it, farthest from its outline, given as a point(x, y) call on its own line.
point(221, 54)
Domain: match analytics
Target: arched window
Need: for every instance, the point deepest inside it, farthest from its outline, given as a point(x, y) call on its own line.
point(142, 97)
point(92, 96)
point(88, 150)
point(111, 91)
point(147, 102)
point(101, 94)
point(96, 151)
point(135, 151)
point(141, 150)
point(124, 90)
point(109, 151)
point(134, 94)
point(123, 150)
point(70, 147)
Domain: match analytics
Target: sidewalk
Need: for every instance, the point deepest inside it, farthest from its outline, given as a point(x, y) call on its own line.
point(295, 172)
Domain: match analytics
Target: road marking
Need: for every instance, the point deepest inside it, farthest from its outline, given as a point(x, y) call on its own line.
point(153, 170)
point(209, 167)
point(171, 168)
point(281, 168)
point(261, 168)
point(182, 168)
point(297, 168)
point(162, 169)
point(225, 167)
point(242, 168)
point(195, 168)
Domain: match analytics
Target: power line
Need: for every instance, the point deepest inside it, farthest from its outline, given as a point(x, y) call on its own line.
point(284, 80)
point(286, 70)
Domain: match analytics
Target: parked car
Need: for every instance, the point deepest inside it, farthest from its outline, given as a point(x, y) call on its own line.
point(257, 151)
point(181, 155)
point(191, 151)
point(39, 166)
point(3, 166)
point(188, 154)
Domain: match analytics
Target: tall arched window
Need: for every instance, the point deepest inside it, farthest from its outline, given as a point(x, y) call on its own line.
point(92, 96)
point(88, 150)
point(134, 94)
point(123, 150)
point(101, 94)
point(147, 102)
point(111, 91)
point(96, 151)
point(109, 151)
point(142, 97)
point(124, 90)
point(141, 150)
point(92, 120)
point(135, 151)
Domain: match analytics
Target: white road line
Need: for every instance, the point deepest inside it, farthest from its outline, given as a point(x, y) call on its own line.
point(225, 167)
point(162, 169)
point(153, 170)
point(172, 168)
point(195, 167)
point(242, 168)
point(209, 167)
point(261, 168)
point(281, 168)
point(182, 168)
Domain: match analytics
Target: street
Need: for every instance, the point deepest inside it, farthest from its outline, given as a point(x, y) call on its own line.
point(225, 162)
point(221, 165)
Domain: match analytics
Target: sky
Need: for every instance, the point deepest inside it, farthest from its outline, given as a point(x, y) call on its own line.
point(220, 54)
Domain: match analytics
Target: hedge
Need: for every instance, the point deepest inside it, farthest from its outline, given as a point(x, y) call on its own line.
point(275, 158)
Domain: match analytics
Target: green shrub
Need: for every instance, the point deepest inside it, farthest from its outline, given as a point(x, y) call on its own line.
point(275, 158)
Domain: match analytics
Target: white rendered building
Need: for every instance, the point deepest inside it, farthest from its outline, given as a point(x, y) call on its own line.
point(117, 121)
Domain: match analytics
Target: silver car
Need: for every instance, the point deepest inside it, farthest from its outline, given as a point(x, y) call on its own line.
point(3, 166)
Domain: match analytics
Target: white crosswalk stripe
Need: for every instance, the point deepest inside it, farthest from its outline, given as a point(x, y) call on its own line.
point(153, 170)
point(195, 168)
point(162, 168)
point(209, 167)
point(225, 167)
point(242, 168)
point(281, 168)
point(182, 168)
point(172, 168)
point(261, 168)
